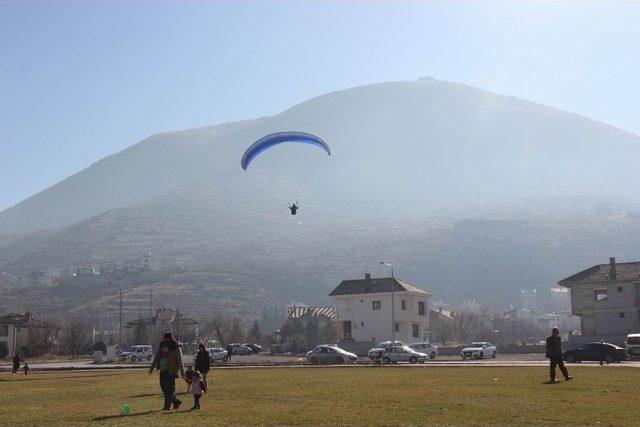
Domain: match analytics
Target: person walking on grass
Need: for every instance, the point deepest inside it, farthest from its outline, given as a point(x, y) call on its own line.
point(16, 363)
point(198, 387)
point(554, 354)
point(203, 362)
point(168, 360)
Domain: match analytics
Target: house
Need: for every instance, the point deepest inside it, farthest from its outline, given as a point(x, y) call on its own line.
point(20, 330)
point(365, 311)
point(606, 297)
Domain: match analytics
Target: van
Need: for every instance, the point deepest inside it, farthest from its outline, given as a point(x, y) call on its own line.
point(633, 345)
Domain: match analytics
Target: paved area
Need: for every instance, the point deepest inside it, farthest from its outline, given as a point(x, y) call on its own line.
point(275, 361)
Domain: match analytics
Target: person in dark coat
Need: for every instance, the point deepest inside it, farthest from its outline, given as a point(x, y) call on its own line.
point(16, 362)
point(203, 362)
point(168, 360)
point(554, 354)
point(229, 353)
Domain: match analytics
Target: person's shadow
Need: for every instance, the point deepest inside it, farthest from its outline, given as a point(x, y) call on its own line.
point(551, 382)
point(136, 414)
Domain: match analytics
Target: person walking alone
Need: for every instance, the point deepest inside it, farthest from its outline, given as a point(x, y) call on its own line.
point(554, 354)
point(16, 363)
point(203, 362)
point(168, 360)
point(229, 353)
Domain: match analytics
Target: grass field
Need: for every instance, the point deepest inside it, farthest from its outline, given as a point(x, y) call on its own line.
point(347, 396)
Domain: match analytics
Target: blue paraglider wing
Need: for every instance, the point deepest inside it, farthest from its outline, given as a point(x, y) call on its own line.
point(269, 141)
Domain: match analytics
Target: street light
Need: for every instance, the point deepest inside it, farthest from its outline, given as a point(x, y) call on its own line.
point(393, 303)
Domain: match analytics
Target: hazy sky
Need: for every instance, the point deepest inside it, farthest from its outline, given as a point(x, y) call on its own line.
point(82, 80)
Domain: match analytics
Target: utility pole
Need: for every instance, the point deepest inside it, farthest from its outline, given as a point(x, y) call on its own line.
point(393, 304)
point(120, 322)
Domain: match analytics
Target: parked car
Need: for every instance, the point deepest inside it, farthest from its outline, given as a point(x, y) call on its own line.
point(330, 354)
point(137, 352)
point(217, 354)
point(426, 348)
point(387, 344)
point(479, 350)
point(595, 351)
point(255, 348)
point(397, 354)
point(240, 349)
point(633, 345)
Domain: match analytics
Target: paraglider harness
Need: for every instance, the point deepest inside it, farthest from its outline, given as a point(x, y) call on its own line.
point(294, 208)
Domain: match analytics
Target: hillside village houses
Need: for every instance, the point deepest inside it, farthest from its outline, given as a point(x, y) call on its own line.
point(365, 311)
point(606, 297)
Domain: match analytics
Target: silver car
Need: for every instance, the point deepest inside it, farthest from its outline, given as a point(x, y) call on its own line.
point(398, 354)
point(426, 348)
point(330, 354)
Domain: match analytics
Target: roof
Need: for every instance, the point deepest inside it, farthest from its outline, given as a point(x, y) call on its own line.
point(311, 312)
point(21, 319)
point(600, 273)
point(372, 286)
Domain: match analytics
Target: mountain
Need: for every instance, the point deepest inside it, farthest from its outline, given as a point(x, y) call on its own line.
point(417, 145)
point(472, 194)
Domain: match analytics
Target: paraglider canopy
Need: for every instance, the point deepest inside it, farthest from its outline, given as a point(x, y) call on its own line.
point(273, 139)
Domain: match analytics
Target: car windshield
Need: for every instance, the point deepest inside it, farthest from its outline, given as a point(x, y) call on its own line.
point(633, 340)
point(477, 344)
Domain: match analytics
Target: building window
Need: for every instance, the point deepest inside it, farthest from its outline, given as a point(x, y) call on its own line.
point(600, 295)
point(619, 288)
point(377, 305)
point(416, 331)
point(622, 315)
point(403, 304)
point(4, 330)
point(397, 327)
point(421, 306)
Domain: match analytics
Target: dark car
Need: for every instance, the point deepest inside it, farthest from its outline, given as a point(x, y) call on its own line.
point(255, 348)
point(596, 351)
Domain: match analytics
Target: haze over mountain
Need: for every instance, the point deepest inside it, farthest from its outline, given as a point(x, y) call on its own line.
point(409, 159)
point(416, 145)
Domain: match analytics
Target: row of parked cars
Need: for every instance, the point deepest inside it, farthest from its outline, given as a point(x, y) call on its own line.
point(139, 353)
point(386, 352)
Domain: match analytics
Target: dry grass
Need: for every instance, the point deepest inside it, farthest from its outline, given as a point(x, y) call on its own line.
point(347, 396)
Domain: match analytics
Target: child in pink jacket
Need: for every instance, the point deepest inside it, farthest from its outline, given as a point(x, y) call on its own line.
point(197, 388)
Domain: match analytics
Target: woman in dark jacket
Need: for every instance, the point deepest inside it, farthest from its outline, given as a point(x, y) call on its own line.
point(203, 362)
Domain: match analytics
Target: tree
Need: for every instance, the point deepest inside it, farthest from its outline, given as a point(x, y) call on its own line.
point(141, 332)
point(235, 330)
point(254, 333)
point(216, 326)
point(76, 335)
point(312, 332)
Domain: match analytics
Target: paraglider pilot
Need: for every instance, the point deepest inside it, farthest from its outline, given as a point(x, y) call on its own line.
point(294, 208)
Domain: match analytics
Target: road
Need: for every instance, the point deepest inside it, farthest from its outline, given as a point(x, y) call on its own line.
point(275, 361)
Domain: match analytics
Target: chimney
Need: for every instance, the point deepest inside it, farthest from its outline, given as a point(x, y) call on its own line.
point(613, 274)
point(367, 276)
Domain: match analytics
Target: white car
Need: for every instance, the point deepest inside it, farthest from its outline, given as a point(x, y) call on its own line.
point(379, 349)
point(217, 354)
point(479, 350)
point(633, 345)
point(426, 348)
point(397, 354)
point(137, 352)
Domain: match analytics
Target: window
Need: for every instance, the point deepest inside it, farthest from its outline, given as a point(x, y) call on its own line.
point(421, 306)
point(619, 288)
point(403, 304)
point(377, 305)
point(397, 327)
point(4, 330)
point(600, 295)
point(416, 331)
point(622, 315)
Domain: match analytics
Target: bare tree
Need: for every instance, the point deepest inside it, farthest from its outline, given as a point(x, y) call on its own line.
point(76, 335)
point(236, 329)
point(216, 326)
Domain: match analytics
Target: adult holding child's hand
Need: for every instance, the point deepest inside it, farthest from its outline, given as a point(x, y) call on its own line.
point(168, 360)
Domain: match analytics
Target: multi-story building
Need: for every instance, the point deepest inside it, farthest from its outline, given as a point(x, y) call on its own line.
point(365, 311)
point(19, 330)
point(606, 297)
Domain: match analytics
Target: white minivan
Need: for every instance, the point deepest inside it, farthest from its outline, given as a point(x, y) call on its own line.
point(137, 353)
point(633, 345)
